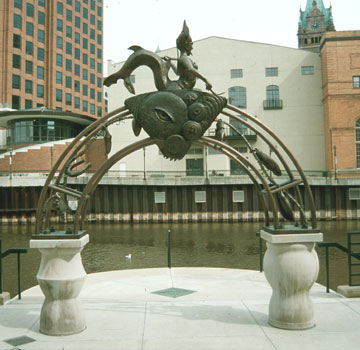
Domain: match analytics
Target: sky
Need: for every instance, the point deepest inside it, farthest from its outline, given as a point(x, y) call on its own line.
point(157, 23)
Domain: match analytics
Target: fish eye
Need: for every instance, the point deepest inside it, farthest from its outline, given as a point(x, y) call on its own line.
point(163, 116)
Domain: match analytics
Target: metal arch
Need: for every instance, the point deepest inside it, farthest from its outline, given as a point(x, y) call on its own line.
point(275, 150)
point(235, 155)
point(95, 179)
point(47, 194)
point(83, 139)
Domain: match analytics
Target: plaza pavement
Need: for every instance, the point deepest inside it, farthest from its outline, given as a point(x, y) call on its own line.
point(205, 308)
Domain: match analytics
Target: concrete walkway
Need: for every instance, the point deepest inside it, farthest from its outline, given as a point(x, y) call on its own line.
point(209, 309)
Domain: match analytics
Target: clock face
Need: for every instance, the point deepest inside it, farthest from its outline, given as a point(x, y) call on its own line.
point(315, 25)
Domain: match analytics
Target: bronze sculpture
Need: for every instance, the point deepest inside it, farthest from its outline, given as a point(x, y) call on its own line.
point(176, 114)
point(186, 68)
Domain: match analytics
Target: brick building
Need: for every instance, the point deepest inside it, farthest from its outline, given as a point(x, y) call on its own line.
point(340, 56)
point(51, 71)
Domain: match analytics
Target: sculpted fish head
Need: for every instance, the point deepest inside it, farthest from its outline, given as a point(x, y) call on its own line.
point(174, 118)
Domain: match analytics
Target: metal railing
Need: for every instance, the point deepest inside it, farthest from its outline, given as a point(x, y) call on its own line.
point(4, 255)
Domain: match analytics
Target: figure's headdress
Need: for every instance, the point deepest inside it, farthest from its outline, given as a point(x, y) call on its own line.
point(183, 37)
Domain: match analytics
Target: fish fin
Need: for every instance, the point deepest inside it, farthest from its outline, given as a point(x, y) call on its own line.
point(135, 48)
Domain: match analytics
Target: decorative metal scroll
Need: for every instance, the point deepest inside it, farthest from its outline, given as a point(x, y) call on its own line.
point(175, 117)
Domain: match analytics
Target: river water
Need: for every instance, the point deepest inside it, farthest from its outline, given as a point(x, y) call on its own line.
point(229, 245)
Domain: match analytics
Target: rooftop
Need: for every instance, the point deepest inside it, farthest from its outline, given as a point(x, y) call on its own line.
point(205, 308)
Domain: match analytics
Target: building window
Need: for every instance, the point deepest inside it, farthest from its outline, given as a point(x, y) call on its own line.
point(16, 41)
point(68, 82)
point(41, 36)
point(99, 111)
point(40, 91)
point(40, 72)
point(85, 43)
point(236, 73)
point(237, 96)
point(194, 167)
point(242, 128)
point(15, 102)
point(357, 140)
point(85, 90)
point(77, 69)
point(16, 61)
point(77, 54)
point(77, 6)
point(29, 10)
point(77, 102)
point(59, 25)
point(92, 108)
point(69, 15)
point(68, 65)
point(16, 81)
point(92, 19)
point(85, 13)
point(29, 67)
point(356, 82)
point(29, 48)
point(85, 28)
point(17, 21)
point(99, 68)
point(307, 70)
point(92, 63)
point(99, 39)
point(58, 77)
point(85, 106)
point(77, 85)
point(77, 22)
point(77, 38)
point(28, 104)
point(41, 18)
point(68, 99)
point(18, 4)
point(58, 95)
point(92, 49)
point(85, 58)
point(40, 54)
point(68, 48)
point(28, 86)
point(271, 72)
point(60, 8)
point(85, 74)
point(59, 42)
point(29, 29)
point(42, 3)
point(59, 59)
point(41, 130)
point(68, 32)
point(272, 98)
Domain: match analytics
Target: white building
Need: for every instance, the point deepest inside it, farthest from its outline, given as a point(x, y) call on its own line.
point(281, 86)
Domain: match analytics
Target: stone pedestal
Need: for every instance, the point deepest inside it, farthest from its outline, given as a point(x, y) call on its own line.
point(4, 298)
point(61, 276)
point(349, 291)
point(291, 266)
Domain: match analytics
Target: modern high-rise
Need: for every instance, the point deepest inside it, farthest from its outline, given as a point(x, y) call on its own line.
point(51, 55)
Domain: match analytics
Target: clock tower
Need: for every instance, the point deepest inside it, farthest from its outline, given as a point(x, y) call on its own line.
point(313, 23)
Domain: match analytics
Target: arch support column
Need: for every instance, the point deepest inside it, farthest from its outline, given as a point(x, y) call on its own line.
point(291, 266)
point(61, 277)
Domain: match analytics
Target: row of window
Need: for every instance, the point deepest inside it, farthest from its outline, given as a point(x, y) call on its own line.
point(271, 71)
point(85, 106)
point(19, 4)
point(42, 130)
point(85, 10)
point(68, 31)
point(237, 96)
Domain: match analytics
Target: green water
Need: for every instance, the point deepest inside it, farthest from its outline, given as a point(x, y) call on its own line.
point(229, 245)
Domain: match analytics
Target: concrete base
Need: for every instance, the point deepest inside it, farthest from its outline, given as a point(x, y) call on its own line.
point(291, 267)
point(61, 276)
point(4, 297)
point(349, 291)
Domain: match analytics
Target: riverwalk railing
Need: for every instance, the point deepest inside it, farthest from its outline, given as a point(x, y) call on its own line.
point(4, 255)
point(353, 258)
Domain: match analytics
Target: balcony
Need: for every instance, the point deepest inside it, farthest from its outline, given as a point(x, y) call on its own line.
point(232, 135)
point(273, 104)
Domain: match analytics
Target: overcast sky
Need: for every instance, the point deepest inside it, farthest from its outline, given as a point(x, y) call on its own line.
point(153, 23)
